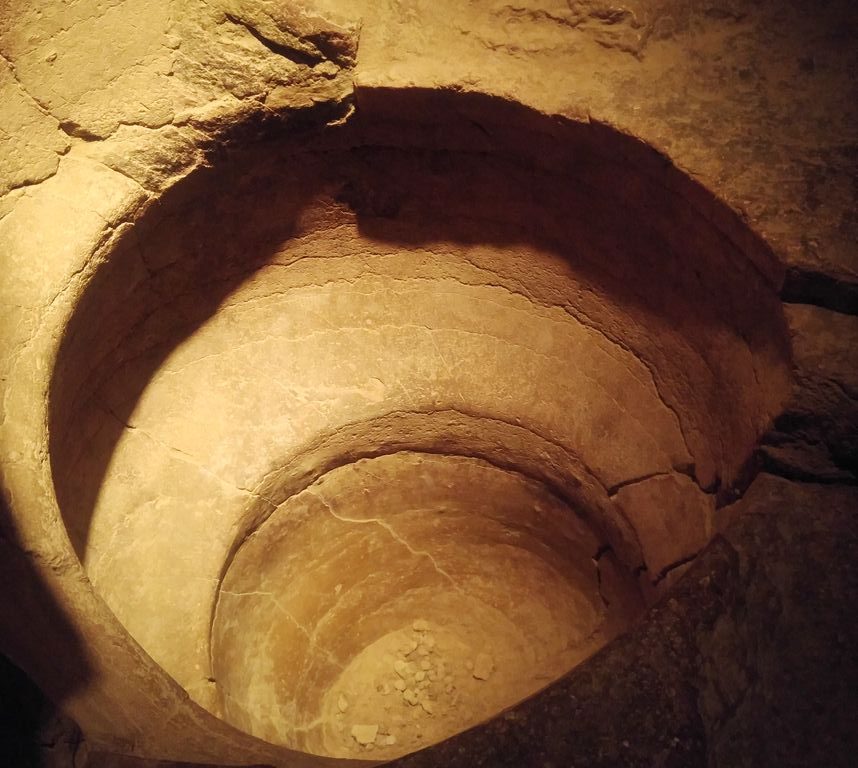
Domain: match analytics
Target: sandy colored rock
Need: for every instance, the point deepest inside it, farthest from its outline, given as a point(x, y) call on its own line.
point(483, 666)
point(672, 518)
point(549, 239)
point(410, 695)
point(364, 734)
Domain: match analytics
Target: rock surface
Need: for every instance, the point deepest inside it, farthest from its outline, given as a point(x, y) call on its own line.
point(196, 197)
point(757, 618)
point(816, 437)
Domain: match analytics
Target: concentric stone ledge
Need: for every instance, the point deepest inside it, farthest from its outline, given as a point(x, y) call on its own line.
point(482, 370)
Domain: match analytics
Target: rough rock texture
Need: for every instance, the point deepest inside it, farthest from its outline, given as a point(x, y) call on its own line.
point(816, 437)
point(755, 639)
point(457, 605)
point(245, 244)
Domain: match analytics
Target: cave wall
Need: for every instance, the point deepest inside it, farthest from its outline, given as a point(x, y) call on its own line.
point(648, 181)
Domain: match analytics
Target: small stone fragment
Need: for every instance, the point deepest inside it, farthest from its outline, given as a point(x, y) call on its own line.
point(364, 734)
point(420, 676)
point(483, 666)
point(400, 667)
point(428, 706)
point(426, 665)
point(342, 703)
point(410, 696)
point(421, 625)
point(429, 641)
point(400, 685)
point(390, 740)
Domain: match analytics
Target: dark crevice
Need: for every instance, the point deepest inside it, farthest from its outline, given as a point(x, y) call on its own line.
point(804, 286)
point(664, 572)
point(77, 131)
point(295, 55)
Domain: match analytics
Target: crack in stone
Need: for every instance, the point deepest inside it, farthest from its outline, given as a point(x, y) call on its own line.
point(612, 490)
point(311, 636)
point(664, 572)
point(183, 456)
point(393, 534)
point(291, 53)
point(602, 597)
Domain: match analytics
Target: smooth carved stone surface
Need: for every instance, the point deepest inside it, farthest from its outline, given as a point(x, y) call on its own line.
point(672, 518)
point(131, 231)
point(416, 592)
point(224, 339)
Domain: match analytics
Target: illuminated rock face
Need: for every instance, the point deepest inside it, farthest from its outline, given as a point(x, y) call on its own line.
point(366, 372)
point(328, 390)
point(427, 592)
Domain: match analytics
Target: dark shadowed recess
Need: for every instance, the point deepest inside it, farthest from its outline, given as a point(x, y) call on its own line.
point(36, 634)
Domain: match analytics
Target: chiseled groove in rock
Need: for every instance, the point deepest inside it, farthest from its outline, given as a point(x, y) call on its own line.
point(603, 550)
point(804, 285)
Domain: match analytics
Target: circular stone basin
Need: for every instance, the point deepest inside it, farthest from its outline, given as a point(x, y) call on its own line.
point(367, 434)
point(400, 599)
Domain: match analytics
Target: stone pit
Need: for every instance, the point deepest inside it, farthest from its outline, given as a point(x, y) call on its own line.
point(442, 383)
point(334, 386)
